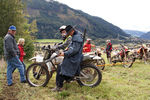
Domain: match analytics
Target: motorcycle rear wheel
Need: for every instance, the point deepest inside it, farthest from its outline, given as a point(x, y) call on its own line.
point(89, 76)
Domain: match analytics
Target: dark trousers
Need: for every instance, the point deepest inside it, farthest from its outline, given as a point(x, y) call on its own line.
point(108, 54)
point(60, 78)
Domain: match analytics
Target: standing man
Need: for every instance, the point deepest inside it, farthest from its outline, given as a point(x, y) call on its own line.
point(87, 46)
point(11, 53)
point(72, 58)
point(108, 50)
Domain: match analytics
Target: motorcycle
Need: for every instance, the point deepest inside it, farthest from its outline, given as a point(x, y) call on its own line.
point(41, 71)
point(97, 59)
point(142, 53)
point(123, 56)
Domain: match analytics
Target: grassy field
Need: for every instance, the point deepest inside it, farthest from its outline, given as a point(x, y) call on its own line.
point(48, 40)
point(118, 83)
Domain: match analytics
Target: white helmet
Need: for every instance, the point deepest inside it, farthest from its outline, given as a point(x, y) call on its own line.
point(144, 45)
point(108, 41)
point(89, 39)
point(62, 28)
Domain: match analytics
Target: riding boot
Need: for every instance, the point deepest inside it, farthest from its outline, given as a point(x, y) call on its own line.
point(56, 89)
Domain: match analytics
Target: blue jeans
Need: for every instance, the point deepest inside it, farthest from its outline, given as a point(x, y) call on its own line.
point(23, 66)
point(11, 65)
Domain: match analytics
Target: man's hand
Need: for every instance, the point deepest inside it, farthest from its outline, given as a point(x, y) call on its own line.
point(92, 45)
point(54, 47)
point(61, 53)
point(24, 53)
point(85, 48)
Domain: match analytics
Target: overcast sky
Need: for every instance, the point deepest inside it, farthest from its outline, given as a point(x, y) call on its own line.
point(127, 14)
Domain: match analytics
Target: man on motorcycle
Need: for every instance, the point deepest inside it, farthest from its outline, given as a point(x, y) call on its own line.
point(66, 39)
point(72, 58)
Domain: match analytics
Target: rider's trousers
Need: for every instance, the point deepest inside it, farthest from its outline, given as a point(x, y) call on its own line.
point(60, 78)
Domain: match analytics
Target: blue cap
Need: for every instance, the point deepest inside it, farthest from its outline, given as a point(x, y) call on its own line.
point(12, 27)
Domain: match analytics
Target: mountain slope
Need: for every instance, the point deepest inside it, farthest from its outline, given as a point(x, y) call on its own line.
point(146, 36)
point(134, 33)
point(51, 15)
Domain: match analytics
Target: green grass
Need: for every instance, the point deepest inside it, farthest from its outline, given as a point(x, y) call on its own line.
point(118, 83)
point(48, 40)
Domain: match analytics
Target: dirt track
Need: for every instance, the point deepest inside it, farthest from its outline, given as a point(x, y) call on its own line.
point(8, 92)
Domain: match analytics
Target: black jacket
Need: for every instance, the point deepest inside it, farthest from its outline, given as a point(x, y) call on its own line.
point(10, 46)
point(73, 56)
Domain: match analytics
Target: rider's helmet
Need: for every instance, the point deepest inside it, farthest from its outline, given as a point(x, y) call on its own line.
point(108, 41)
point(88, 41)
point(62, 28)
point(144, 46)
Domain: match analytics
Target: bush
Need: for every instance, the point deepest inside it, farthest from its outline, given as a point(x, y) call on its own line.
point(28, 47)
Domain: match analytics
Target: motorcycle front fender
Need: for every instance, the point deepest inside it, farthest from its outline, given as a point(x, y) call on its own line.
point(37, 59)
point(97, 57)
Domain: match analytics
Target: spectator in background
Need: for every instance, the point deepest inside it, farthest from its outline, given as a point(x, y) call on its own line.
point(11, 53)
point(108, 50)
point(21, 42)
point(87, 46)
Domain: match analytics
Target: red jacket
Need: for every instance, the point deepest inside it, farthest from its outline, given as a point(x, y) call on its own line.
point(87, 48)
point(109, 47)
point(22, 53)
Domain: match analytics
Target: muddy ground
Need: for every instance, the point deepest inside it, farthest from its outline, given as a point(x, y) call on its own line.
point(8, 92)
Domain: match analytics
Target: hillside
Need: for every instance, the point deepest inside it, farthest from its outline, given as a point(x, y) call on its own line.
point(51, 15)
point(134, 33)
point(146, 36)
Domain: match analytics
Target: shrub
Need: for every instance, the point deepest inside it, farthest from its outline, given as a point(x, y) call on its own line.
point(28, 47)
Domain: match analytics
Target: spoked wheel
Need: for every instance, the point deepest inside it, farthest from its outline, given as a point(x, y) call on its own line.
point(128, 62)
point(114, 59)
point(133, 56)
point(89, 76)
point(100, 64)
point(37, 75)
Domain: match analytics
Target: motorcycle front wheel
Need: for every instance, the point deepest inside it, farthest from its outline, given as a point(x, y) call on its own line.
point(37, 75)
point(100, 64)
point(89, 76)
point(128, 62)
